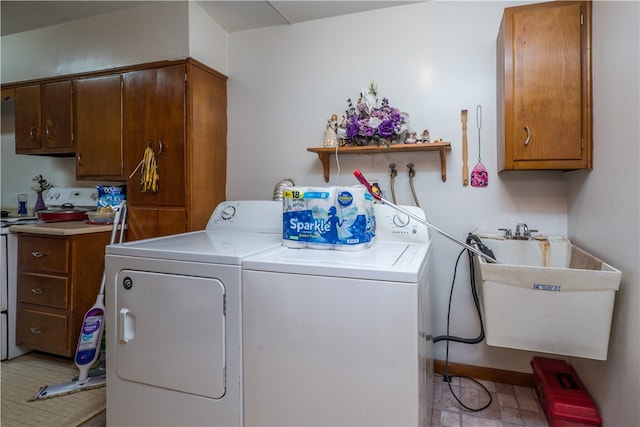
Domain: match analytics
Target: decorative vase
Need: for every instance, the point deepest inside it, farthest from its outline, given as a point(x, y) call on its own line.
point(39, 206)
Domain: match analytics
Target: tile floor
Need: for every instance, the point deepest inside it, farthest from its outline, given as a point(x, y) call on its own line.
point(510, 406)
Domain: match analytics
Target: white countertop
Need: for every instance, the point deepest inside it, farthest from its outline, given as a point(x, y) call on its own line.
point(66, 228)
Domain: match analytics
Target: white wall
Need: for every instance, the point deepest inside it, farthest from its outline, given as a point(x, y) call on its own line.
point(150, 33)
point(431, 60)
point(604, 206)
point(207, 40)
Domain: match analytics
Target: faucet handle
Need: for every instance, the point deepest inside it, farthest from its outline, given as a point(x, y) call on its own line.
point(507, 232)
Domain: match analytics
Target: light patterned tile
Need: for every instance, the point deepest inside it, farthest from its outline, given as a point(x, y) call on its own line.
point(473, 421)
point(511, 415)
point(450, 419)
point(534, 419)
point(508, 400)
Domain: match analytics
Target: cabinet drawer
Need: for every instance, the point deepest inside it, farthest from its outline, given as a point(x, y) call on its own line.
point(43, 289)
point(42, 331)
point(43, 253)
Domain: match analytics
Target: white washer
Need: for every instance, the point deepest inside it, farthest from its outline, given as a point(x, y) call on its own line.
point(173, 320)
point(341, 338)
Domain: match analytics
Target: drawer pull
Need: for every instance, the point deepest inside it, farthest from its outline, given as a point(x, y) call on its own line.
point(36, 330)
point(37, 290)
point(38, 254)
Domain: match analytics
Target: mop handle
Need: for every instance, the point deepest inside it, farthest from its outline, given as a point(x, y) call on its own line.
point(360, 177)
point(119, 221)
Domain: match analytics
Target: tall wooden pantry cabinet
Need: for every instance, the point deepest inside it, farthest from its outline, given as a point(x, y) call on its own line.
point(179, 111)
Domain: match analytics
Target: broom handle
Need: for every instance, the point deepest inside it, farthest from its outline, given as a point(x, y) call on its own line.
point(465, 150)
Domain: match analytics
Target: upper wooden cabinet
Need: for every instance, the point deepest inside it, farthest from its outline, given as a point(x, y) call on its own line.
point(177, 108)
point(544, 87)
point(155, 111)
point(43, 119)
point(97, 105)
point(180, 112)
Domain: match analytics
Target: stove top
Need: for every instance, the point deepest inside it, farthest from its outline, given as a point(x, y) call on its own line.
point(79, 197)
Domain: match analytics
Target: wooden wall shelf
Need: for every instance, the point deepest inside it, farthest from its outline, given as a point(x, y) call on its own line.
point(324, 153)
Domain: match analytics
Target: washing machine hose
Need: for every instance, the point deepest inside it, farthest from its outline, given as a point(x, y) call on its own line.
point(471, 239)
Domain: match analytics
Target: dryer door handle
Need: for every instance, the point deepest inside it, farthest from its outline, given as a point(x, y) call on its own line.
point(126, 325)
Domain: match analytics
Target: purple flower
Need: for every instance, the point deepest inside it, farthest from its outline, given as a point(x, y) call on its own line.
point(386, 128)
point(365, 122)
point(353, 128)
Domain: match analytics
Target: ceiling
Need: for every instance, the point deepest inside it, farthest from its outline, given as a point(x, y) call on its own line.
point(232, 16)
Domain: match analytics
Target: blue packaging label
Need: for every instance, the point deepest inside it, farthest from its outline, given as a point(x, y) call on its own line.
point(328, 217)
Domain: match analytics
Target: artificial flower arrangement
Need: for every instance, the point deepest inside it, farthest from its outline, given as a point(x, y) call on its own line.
point(367, 123)
point(43, 184)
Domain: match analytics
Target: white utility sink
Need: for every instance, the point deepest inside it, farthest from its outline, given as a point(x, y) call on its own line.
point(546, 295)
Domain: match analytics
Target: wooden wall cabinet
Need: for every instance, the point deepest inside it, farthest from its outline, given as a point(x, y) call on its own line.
point(97, 110)
point(178, 108)
point(544, 96)
point(44, 119)
point(59, 279)
point(180, 112)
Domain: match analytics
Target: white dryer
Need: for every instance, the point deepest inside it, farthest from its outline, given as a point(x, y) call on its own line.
point(173, 320)
point(341, 338)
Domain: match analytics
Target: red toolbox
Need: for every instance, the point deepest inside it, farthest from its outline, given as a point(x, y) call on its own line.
point(561, 394)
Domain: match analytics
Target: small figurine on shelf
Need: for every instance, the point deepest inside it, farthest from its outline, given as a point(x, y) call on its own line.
point(330, 135)
point(43, 185)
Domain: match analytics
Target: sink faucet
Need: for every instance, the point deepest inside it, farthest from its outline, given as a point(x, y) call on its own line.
point(523, 232)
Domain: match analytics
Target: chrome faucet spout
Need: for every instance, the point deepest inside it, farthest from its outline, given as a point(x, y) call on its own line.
point(522, 230)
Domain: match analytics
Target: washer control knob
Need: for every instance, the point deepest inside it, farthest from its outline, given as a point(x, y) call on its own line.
point(400, 220)
point(227, 213)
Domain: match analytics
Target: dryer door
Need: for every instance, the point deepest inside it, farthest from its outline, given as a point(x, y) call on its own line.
point(171, 332)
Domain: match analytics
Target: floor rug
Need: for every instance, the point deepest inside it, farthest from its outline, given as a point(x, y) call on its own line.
point(22, 378)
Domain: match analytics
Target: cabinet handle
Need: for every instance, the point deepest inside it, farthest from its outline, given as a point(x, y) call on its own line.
point(38, 254)
point(161, 147)
point(33, 132)
point(79, 159)
point(526, 141)
point(46, 131)
point(37, 290)
point(36, 330)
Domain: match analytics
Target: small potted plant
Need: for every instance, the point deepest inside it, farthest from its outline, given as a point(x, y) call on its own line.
point(42, 185)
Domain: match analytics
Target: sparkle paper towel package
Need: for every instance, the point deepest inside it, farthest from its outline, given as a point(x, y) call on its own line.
point(339, 218)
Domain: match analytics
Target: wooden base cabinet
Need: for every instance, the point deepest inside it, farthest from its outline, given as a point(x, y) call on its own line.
point(59, 279)
point(544, 87)
point(179, 111)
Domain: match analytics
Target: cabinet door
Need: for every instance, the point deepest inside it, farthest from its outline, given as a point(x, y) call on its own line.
point(97, 104)
point(547, 86)
point(147, 222)
point(154, 116)
point(56, 118)
point(28, 118)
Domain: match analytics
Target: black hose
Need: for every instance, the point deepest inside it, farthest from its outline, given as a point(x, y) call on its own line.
point(471, 238)
point(448, 338)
